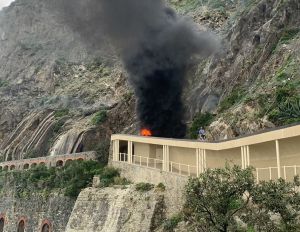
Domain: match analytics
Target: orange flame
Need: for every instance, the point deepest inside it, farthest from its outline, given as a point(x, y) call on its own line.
point(146, 132)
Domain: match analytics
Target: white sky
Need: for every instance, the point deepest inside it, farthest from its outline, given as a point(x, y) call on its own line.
point(4, 3)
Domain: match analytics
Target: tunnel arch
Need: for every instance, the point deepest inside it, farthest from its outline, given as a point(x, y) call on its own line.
point(46, 226)
point(21, 226)
point(33, 165)
point(42, 164)
point(26, 166)
point(2, 222)
point(5, 168)
point(12, 167)
point(59, 163)
point(68, 162)
point(80, 159)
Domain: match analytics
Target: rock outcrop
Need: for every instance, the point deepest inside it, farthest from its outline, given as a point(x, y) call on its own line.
point(115, 209)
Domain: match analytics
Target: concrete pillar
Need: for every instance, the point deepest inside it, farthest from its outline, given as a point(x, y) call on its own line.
point(116, 150)
point(130, 152)
point(278, 158)
point(242, 157)
point(166, 158)
point(245, 155)
point(201, 160)
point(197, 162)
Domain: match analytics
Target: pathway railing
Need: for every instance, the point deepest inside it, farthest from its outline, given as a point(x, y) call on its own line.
point(181, 169)
point(271, 173)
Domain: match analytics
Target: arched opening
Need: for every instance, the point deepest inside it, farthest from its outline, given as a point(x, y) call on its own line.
point(12, 167)
point(80, 159)
point(1, 224)
point(59, 163)
point(5, 168)
point(42, 164)
point(33, 165)
point(68, 162)
point(46, 228)
point(80, 148)
point(21, 226)
point(1, 168)
point(26, 166)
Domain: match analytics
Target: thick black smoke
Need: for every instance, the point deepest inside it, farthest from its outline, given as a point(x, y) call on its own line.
point(156, 47)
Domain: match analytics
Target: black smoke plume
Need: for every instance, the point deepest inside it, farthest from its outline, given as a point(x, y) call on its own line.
point(156, 46)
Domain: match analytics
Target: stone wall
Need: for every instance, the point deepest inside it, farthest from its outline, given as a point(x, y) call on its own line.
point(36, 210)
point(175, 184)
point(116, 209)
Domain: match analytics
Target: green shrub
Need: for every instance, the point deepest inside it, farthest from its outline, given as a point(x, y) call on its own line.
point(235, 96)
point(286, 112)
point(99, 117)
point(61, 113)
point(108, 175)
point(200, 120)
point(161, 187)
point(3, 83)
point(170, 224)
point(58, 127)
point(121, 181)
point(143, 187)
point(102, 151)
point(70, 179)
point(288, 35)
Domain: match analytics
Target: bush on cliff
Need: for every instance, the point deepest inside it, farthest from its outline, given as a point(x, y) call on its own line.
point(230, 200)
point(69, 179)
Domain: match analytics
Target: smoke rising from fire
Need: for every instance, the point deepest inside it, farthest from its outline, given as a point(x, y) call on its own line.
point(156, 46)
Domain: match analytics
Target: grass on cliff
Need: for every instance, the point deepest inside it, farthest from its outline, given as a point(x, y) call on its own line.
point(69, 180)
point(99, 118)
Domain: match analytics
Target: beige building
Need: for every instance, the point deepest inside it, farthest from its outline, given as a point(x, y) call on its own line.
point(273, 154)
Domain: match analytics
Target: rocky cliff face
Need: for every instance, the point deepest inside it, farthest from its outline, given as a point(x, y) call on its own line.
point(116, 209)
point(52, 86)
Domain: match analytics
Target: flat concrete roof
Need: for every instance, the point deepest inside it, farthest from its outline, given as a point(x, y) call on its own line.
point(257, 138)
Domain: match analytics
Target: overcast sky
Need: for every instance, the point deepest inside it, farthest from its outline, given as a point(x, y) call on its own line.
point(4, 3)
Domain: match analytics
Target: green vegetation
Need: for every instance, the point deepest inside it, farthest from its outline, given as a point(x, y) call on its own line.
point(200, 120)
point(61, 113)
point(161, 187)
point(69, 179)
point(218, 197)
point(102, 151)
point(170, 224)
point(143, 187)
point(235, 97)
point(3, 83)
point(99, 117)
point(288, 35)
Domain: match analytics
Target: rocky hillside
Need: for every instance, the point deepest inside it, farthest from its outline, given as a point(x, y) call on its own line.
point(57, 96)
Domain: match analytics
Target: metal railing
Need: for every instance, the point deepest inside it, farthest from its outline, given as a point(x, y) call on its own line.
point(271, 173)
point(183, 169)
point(148, 162)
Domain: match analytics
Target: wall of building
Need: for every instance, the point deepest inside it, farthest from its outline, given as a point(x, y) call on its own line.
point(36, 210)
point(175, 184)
point(218, 159)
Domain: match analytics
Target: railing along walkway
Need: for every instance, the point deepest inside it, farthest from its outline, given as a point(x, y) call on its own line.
point(268, 173)
point(181, 169)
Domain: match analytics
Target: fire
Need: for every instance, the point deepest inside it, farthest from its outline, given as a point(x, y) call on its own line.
point(146, 132)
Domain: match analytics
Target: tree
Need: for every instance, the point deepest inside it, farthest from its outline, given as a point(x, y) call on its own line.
point(229, 200)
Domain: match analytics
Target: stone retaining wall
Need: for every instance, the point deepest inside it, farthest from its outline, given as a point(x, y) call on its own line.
point(175, 184)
